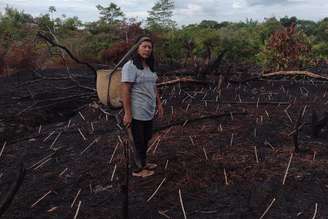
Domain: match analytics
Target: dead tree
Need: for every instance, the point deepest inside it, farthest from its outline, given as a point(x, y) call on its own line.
point(39, 34)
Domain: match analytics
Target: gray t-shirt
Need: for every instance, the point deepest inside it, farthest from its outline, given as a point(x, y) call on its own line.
point(143, 90)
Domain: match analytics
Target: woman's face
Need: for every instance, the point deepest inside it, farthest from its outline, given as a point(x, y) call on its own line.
point(145, 48)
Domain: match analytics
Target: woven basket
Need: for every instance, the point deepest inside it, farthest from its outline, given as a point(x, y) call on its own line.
point(112, 96)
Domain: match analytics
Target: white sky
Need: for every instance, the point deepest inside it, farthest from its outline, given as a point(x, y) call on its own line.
point(186, 11)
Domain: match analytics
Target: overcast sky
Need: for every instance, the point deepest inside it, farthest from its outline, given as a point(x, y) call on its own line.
point(186, 11)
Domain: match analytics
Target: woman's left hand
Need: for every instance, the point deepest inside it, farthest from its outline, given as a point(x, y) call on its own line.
point(160, 111)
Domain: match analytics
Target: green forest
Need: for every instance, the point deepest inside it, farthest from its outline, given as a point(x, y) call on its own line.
point(274, 44)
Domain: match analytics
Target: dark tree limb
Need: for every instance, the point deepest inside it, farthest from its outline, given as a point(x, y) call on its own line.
point(39, 34)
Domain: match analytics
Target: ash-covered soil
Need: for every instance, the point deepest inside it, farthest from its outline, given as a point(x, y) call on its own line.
point(230, 165)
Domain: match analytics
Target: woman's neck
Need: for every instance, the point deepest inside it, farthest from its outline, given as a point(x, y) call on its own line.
point(145, 65)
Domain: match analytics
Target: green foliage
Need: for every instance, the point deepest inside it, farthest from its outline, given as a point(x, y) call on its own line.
point(111, 14)
point(12, 23)
point(45, 23)
point(72, 23)
point(266, 28)
point(160, 17)
point(287, 49)
point(241, 45)
point(322, 34)
point(209, 24)
point(196, 44)
point(320, 51)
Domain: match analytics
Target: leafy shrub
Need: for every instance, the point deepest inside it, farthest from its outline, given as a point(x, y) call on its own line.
point(286, 49)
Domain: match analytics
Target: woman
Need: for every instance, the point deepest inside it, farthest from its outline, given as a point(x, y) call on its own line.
point(140, 98)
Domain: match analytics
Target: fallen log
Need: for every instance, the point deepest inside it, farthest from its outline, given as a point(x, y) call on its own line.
point(281, 73)
point(183, 80)
point(295, 73)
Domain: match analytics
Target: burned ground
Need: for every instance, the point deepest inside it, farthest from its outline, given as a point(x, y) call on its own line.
point(227, 154)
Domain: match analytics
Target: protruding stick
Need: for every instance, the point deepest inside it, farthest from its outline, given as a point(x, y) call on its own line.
point(290, 160)
point(268, 208)
point(35, 203)
point(154, 193)
point(182, 207)
point(76, 196)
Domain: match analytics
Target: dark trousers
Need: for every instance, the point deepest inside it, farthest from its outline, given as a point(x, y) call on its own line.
point(142, 133)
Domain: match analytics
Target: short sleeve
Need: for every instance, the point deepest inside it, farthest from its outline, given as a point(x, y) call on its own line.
point(129, 72)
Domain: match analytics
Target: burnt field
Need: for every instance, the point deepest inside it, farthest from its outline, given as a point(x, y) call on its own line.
point(254, 149)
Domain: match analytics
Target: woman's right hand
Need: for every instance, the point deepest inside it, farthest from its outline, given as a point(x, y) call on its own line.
point(127, 119)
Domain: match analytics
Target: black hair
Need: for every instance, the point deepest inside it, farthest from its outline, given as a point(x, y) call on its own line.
point(137, 59)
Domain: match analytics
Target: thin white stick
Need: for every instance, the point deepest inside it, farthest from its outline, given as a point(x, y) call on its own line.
point(314, 154)
point(44, 140)
point(53, 143)
point(182, 207)
point(153, 143)
point(77, 210)
point(62, 172)
point(315, 211)
point(288, 115)
point(112, 178)
point(84, 138)
point(154, 193)
point(3, 147)
point(205, 153)
point(256, 157)
point(43, 159)
point(77, 194)
point(113, 153)
point(192, 141)
point(231, 140)
point(268, 208)
point(266, 112)
point(225, 177)
point(92, 128)
point(40, 127)
point(167, 132)
point(120, 139)
point(166, 164)
point(35, 203)
point(187, 107)
point(163, 213)
point(290, 160)
point(69, 122)
point(231, 115)
point(44, 162)
point(82, 116)
point(154, 151)
point(92, 143)
point(304, 110)
point(269, 144)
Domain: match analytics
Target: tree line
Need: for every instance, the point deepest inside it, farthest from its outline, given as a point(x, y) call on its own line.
point(274, 44)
